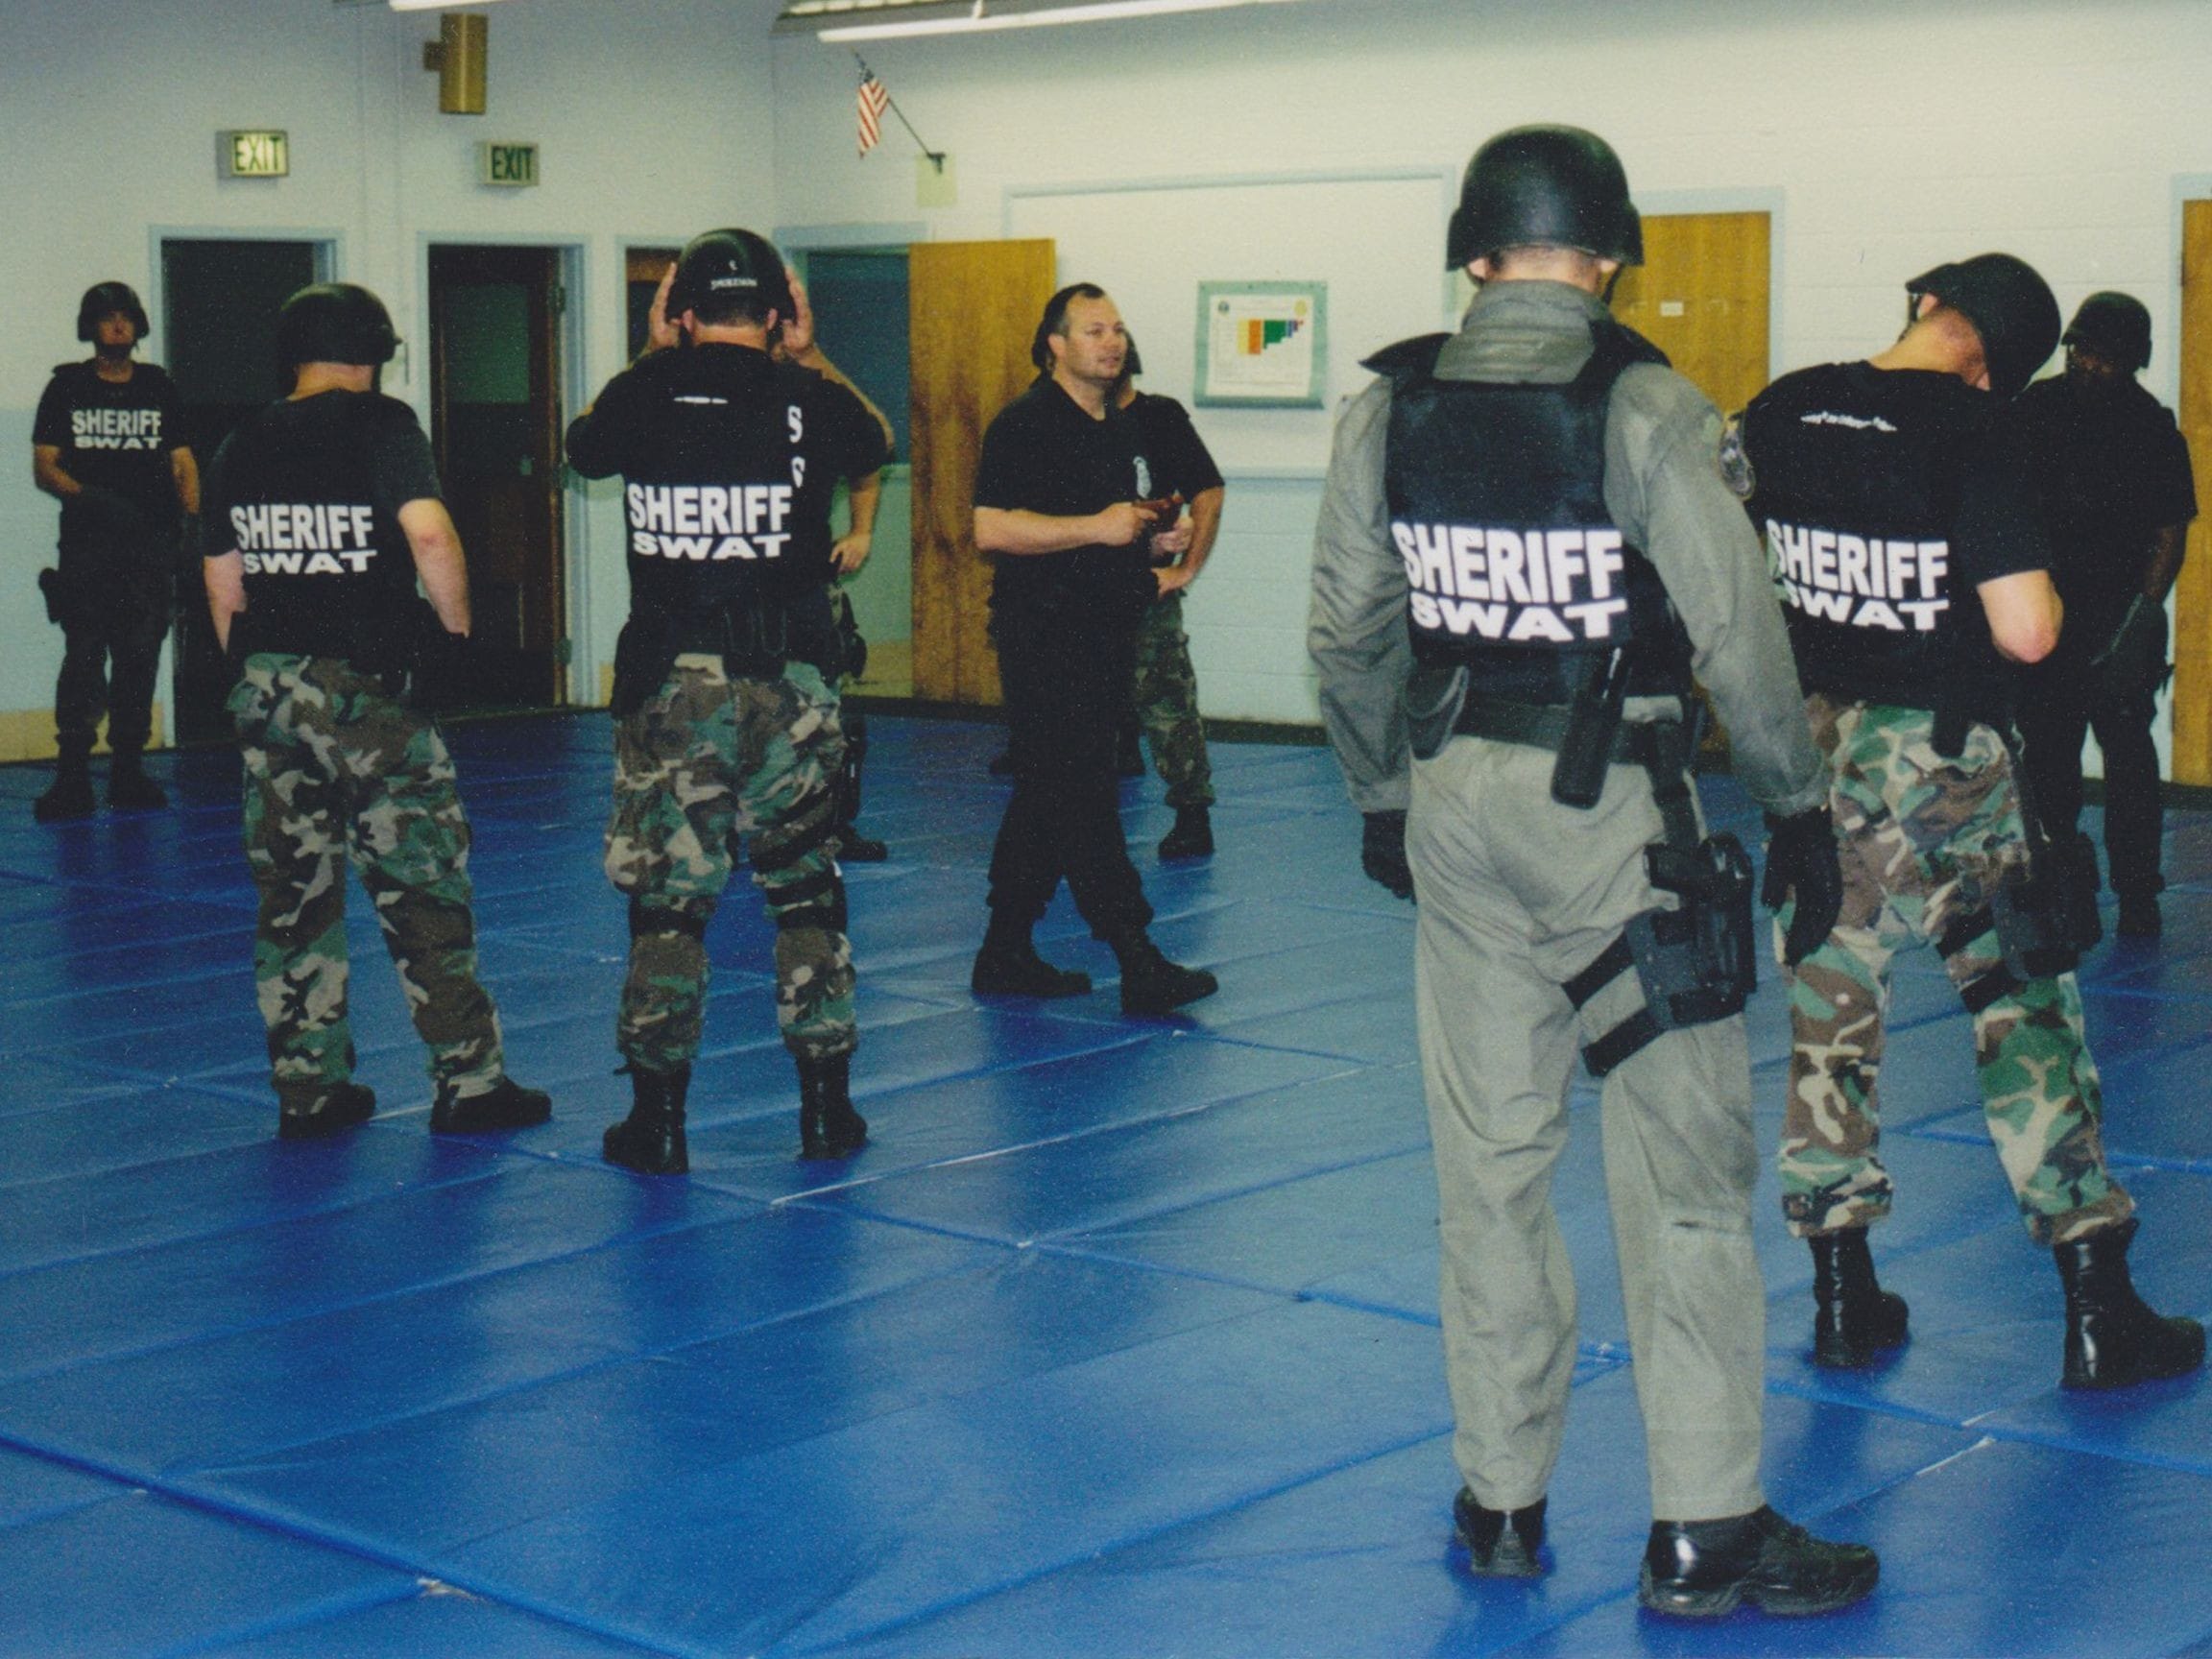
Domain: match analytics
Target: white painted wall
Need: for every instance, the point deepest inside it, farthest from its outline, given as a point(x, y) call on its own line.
point(1887, 135)
point(654, 119)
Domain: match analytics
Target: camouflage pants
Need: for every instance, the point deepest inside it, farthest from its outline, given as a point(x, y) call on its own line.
point(335, 770)
point(1166, 690)
point(706, 755)
point(1925, 841)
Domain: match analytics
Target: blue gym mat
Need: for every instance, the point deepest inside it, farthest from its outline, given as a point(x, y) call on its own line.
point(1118, 1342)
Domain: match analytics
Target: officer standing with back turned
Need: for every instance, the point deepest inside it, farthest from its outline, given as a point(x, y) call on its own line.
point(1901, 517)
point(323, 513)
point(724, 718)
point(2119, 493)
point(1524, 548)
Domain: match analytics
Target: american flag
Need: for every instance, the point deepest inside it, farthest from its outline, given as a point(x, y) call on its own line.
point(873, 101)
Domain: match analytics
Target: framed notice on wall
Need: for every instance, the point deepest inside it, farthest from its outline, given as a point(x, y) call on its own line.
point(1262, 343)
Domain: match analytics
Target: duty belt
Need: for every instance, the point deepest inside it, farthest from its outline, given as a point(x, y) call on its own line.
point(1661, 747)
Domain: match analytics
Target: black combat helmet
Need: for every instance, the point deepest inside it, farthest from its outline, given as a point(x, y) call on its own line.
point(334, 322)
point(730, 264)
point(2113, 326)
point(1549, 186)
point(2011, 306)
point(102, 298)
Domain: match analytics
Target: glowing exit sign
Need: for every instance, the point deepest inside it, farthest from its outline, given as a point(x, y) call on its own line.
point(512, 164)
point(261, 153)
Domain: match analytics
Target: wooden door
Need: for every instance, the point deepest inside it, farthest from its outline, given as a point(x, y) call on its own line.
point(495, 424)
point(1701, 297)
point(972, 310)
point(2193, 593)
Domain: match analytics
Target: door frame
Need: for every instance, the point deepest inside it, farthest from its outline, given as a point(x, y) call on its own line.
point(576, 678)
point(327, 245)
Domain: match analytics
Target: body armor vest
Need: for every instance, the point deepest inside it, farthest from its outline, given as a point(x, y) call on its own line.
point(329, 573)
point(1857, 495)
point(1496, 493)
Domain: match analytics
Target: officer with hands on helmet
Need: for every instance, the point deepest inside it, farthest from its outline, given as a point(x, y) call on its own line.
point(106, 443)
point(1902, 522)
point(323, 513)
point(799, 343)
point(2119, 494)
point(1524, 549)
point(724, 717)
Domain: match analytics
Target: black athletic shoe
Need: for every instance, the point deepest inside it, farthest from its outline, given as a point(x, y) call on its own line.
point(1707, 1569)
point(505, 1105)
point(1500, 1543)
point(346, 1106)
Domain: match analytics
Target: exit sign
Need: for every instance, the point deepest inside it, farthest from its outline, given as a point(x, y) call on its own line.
point(508, 163)
point(261, 153)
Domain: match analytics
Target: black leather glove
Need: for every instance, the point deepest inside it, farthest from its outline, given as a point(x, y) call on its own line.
point(1801, 864)
point(2135, 658)
point(1383, 851)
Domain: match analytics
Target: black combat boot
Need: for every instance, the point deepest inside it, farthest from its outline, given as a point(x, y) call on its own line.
point(854, 847)
point(828, 1125)
point(651, 1138)
point(505, 1105)
point(338, 1108)
point(2139, 917)
point(1192, 836)
point(1854, 1319)
point(2112, 1337)
point(1008, 966)
point(1705, 1569)
point(1500, 1543)
point(69, 797)
point(1151, 983)
point(128, 788)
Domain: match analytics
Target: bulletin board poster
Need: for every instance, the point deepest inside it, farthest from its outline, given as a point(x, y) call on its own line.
point(1261, 343)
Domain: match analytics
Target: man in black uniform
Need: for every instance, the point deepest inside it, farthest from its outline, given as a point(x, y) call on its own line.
point(2119, 494)
point(323, 513)
point(1166, 690)
point(1524, 549)
point(1902, 528)
point(1064, 503)
point(724, 719)
point(104, 441)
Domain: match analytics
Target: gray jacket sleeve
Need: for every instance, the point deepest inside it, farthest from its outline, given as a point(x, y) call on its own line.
point(1664, 486)
point(1355, 630)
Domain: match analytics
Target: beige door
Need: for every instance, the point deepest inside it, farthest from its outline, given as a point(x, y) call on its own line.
point(974, 308)
point(1701, 296)
point(2193, 593)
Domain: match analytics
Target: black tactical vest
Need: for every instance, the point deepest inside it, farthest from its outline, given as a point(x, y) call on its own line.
point(329, 573)
point(1858, 473)
point(1496, 494)
point(722, 521)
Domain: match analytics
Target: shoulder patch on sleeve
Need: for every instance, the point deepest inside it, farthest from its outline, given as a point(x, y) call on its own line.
point(1734, 461)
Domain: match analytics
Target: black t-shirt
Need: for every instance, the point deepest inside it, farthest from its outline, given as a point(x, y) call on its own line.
point(113, 436)
point(309, 492)
point(2112, 469)
point(1886, 498)
point(1178, 458)
point(1044, 454)
point(731, 461)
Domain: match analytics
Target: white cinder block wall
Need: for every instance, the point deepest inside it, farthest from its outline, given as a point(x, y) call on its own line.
point(1884, 137)
point(1318, 140)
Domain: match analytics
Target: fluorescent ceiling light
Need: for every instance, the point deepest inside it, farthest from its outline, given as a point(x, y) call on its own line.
point(979, 20)
point(435, 5)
